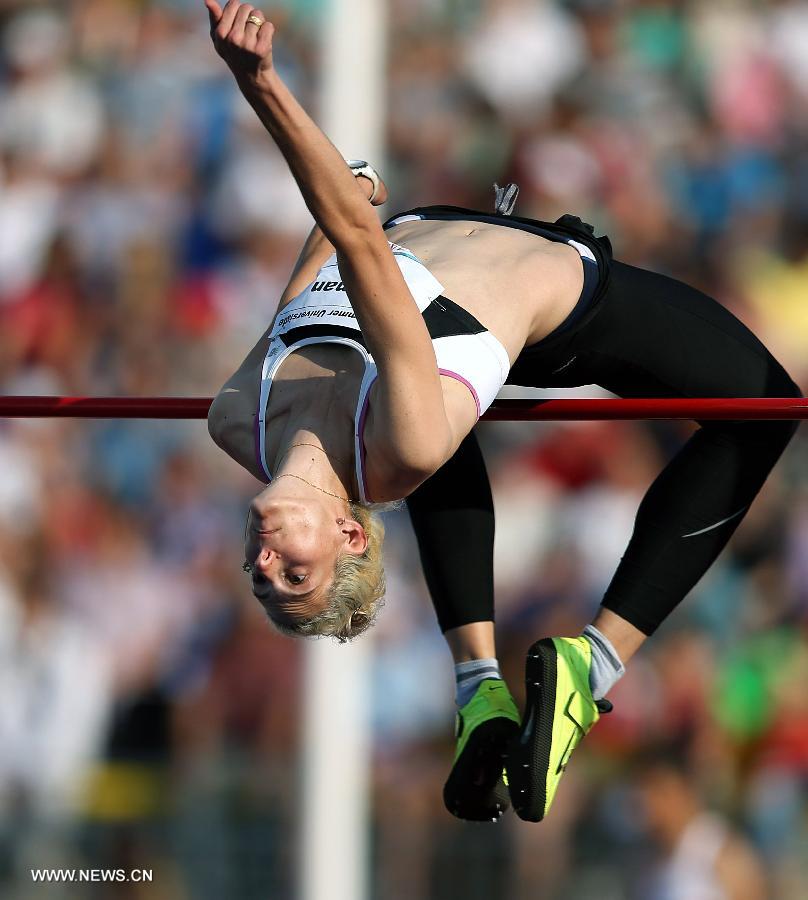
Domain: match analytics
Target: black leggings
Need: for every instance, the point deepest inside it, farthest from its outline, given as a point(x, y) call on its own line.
point(651, 336)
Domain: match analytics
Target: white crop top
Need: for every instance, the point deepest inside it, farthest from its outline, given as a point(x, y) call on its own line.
point(322, 314)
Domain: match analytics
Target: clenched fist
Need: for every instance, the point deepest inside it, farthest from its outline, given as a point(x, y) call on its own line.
point(242, 37)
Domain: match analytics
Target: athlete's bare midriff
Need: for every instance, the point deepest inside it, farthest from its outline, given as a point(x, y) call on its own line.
point(520, 286)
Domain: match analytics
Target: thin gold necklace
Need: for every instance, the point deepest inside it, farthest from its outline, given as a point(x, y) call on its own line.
point(299, 478)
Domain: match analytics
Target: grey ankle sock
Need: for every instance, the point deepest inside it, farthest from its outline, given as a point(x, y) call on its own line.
point(607, 669)
point(468, 676)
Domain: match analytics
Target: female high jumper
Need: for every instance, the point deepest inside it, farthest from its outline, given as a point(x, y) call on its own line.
point(365, 389)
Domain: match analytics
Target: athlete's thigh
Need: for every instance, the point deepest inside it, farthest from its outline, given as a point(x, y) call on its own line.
point(656, 336)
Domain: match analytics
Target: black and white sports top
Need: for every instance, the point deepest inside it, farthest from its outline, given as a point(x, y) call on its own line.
point(322, 314)
point(464, 349)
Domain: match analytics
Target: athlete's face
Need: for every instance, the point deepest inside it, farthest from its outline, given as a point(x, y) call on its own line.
point(290, 550)
point(291, 547)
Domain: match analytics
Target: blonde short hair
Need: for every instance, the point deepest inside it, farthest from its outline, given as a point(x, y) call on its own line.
point(357, 592)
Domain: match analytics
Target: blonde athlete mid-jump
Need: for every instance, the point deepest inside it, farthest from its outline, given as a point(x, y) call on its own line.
point(388, 344)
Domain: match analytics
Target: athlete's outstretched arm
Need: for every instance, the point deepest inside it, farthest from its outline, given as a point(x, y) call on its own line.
point(317, 248)
point(412, 436)
point(328, 187)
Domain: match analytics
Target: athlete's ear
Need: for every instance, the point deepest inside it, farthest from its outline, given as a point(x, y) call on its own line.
point(355, 539)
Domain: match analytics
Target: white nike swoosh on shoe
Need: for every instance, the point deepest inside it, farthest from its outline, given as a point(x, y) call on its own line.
point(717, 524)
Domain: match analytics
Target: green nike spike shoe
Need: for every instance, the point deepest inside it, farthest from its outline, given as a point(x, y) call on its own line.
point(559, 711)
point(475, 789)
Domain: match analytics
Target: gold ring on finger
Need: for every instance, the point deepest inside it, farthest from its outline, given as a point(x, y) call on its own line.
point(255, 20)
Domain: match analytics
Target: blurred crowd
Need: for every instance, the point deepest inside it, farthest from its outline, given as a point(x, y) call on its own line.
point(148, 714)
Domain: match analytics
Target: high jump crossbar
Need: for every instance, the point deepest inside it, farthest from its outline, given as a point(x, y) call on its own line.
point(518, 410)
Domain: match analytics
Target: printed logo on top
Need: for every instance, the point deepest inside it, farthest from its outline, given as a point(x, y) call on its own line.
point(326, 302)
point(315, 313)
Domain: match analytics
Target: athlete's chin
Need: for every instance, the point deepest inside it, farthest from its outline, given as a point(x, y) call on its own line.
point(273, 513)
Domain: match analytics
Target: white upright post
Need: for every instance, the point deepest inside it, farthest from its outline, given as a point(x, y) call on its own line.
point(334, 847)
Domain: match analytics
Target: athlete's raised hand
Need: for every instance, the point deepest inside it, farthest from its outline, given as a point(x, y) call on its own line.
point(242, 37)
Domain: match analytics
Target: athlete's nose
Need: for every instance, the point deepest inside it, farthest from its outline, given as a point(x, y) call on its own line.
point(266, 556)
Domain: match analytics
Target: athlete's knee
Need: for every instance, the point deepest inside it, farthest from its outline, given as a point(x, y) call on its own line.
point(782, 432)
point(763, 437)
point(781, 384)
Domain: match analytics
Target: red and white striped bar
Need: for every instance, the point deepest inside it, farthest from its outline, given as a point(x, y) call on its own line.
point(501, 411)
